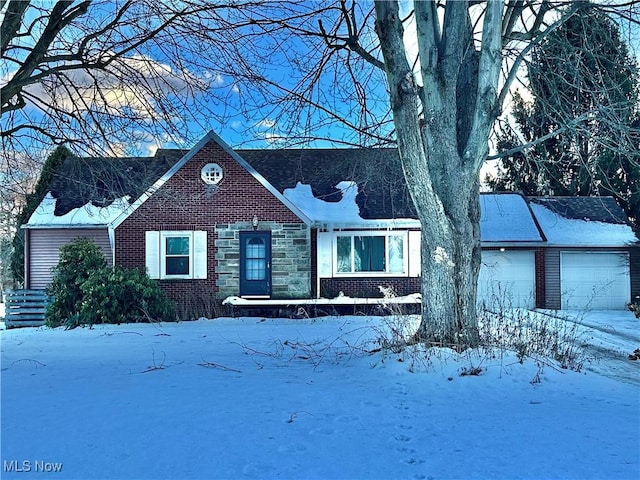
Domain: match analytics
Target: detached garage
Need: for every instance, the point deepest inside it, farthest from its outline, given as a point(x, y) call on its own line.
point(595, 280)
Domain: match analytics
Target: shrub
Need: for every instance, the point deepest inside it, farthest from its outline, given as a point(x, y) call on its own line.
point(119, 295)
point(77, 260)
point(86, 291)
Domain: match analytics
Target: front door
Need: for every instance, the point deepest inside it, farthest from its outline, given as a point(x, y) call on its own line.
point(255, 264)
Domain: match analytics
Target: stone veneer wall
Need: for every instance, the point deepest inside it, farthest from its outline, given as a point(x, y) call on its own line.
point(290, 258)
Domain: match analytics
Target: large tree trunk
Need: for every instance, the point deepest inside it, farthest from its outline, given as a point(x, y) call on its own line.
point(442, 132)
point(450, 265)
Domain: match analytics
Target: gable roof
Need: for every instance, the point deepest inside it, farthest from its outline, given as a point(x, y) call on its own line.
point(210, 137)
point(343, 187)
point(596, 209)
point(82, 184)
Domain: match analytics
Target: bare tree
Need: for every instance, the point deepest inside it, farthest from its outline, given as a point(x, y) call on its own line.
point(432, 79)
point(104, 76)
point(448, 67)
point(443, 128)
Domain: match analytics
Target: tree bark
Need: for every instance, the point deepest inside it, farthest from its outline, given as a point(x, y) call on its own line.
point(443, 184)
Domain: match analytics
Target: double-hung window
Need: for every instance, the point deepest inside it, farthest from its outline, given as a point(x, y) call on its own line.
point(176, 254)
point(370, 253)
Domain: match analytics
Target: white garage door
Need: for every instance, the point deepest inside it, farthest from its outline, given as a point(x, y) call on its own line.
point(598, 281)
point(507, 277)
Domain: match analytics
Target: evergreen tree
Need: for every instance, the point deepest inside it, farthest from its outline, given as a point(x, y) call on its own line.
point(584, 84)
point(49, 169)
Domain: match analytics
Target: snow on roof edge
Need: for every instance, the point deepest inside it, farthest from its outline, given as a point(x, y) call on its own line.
point(86, 216)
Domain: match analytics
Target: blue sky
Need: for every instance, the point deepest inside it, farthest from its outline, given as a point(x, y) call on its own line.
point(206, 87)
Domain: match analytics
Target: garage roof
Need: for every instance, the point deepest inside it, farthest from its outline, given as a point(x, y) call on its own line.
point(583, 221)
point(506, 217)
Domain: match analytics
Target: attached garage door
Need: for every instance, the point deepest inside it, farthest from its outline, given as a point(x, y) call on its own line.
point(598, 281)
point(507, 277)
point(44, 250)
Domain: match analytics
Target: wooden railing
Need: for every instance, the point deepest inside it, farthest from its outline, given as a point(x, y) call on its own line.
point(25, 308)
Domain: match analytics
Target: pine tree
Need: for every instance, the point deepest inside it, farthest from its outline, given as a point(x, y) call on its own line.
point(584, 84)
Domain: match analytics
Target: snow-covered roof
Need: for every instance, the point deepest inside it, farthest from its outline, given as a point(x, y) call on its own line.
point(342, 213)
point(86, 215)
point(318, 210)
point(382, 191)
point(506, 217)
point(563, 231)
point(341, 188)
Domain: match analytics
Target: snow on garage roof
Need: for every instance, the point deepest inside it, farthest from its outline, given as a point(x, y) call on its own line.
point(86, 215)
point(561, 230)
point(506, 217)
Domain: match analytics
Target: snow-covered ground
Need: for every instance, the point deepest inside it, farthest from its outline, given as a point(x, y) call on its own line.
point(256, 398)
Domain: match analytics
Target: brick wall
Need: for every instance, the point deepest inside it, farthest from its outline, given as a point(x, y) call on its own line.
point(368, 287)
point(185, 202)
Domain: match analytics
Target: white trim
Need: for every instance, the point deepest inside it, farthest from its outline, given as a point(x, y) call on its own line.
point(164, 235)
point(382, 223)
point(510, 245)
point(324, 253)
point(152, 254)
point(49, 226)
point(414, 253)
point(200, 254)
point(369, 233)
point(112, 243)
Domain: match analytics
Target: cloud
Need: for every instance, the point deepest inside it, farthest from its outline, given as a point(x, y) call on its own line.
point(132, 87)
point(145, 142)
point(266, 123)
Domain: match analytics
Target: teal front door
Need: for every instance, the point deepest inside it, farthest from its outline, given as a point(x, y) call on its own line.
point(255, 264)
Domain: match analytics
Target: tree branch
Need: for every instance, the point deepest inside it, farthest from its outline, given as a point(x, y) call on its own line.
point(11, 23)
point(524, 146)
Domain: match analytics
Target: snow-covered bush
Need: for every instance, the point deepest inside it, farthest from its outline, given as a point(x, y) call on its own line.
point(86, 291)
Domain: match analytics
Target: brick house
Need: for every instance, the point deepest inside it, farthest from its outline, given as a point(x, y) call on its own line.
point(213, 222)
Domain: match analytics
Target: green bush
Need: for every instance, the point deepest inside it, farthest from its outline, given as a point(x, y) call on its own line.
point(86, 291)
point(77, 260)
point(119, 295)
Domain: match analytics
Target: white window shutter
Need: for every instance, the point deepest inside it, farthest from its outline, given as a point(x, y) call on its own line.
point(414, 253)
point(152, 254)
point(200, 254)
point(324, 254)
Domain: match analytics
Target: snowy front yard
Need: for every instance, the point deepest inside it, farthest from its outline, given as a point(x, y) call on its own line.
point(254, 398)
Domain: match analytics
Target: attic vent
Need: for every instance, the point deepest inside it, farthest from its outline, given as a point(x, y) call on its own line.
point(211, 173)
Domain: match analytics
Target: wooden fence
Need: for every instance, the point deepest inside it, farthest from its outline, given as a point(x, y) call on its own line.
point(25, 308)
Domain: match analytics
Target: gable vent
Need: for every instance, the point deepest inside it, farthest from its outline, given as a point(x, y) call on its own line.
point(211, 173)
